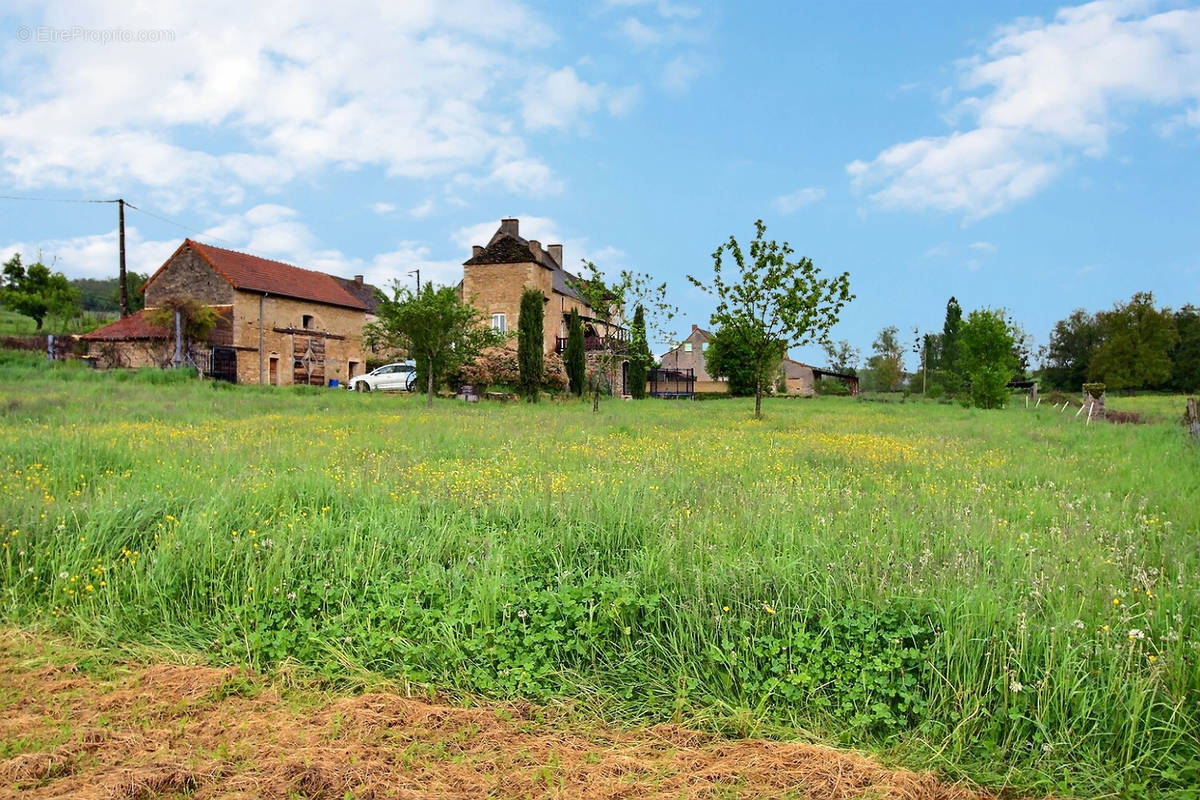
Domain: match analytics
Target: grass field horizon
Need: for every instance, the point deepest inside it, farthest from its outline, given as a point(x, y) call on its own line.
point(1008, 597)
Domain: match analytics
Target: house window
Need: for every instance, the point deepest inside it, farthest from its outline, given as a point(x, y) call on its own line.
point(704, 347)
point(498, 323)
point(687, 347)
point(307, 321)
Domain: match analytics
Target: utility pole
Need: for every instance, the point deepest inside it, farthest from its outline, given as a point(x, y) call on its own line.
point(416, 272)
point(124, 288)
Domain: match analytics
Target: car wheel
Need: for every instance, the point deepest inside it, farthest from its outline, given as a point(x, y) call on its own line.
point(410, 385)
point(362, 386)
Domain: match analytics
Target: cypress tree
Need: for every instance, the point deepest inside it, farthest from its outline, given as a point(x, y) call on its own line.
point(530, 343)
point(574, 357)
point(639, 355)
point(951, 373)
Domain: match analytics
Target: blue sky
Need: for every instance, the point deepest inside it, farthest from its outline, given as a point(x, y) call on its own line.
point(1033, 156)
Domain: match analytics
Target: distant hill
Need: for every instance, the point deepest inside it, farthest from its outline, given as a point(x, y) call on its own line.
point(100, 294)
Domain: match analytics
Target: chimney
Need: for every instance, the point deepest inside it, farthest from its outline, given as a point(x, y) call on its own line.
point(695, 328)
point(358, 280)
point(510, 226)
point(535, 247)
point(556, 253)
point(476, 249)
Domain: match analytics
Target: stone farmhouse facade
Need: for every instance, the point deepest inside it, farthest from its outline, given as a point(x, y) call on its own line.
point(278, 324)
point(497, 273)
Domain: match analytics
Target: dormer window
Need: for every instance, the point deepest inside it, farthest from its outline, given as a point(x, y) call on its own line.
point(307, 321)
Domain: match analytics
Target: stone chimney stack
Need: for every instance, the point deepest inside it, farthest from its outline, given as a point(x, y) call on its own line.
point(510, 226)
point(695, 328)
point(358, 279)
point(535, 247)
point(476, 249)
point(556, 253)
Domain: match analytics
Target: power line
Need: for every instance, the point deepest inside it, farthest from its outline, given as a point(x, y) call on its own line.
point(177, 224)
point(127, 205)
point(51, 199)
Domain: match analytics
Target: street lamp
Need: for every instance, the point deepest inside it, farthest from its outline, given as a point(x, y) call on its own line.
point(416, 272)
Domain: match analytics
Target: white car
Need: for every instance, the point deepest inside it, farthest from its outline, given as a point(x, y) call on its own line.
point(399, 377)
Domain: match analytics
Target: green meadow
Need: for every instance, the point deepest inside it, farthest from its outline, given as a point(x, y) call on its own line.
point(1009, 597)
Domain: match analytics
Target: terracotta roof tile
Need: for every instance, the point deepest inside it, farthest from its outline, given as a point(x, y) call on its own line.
point(135, 326)
point(138, 326)
point(255, 274)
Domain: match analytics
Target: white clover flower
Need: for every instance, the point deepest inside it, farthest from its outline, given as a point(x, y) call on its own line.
point(1136, 633)
point(1016, 686)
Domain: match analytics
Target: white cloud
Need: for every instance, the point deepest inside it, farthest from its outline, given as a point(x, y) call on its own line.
point(681, 71)
point(383, 209)
point(560, 99)
point(639, 33)
point(789, 203)
point(256, 96)
point(984, 247)
point(1039, 95)
point(95, 255)
point(422, 210)
point(665, 8)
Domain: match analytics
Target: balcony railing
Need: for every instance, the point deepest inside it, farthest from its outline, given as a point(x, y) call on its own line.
point(591, 344)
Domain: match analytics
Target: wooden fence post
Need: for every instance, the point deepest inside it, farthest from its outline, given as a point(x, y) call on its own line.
point(1191, 418)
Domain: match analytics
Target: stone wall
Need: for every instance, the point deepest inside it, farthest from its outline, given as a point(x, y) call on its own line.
point(284, 336)
point(186, 274)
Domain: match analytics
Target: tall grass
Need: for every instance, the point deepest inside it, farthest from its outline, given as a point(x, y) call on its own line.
point(1008, 596)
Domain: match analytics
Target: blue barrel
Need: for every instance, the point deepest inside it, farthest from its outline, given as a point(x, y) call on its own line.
point(333, 383)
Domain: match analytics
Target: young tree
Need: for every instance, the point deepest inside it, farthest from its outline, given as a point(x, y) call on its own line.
point(885, 367)
point(730, 356)
point(609, 302)
point(640, 359)
point(1135, 345)
point(987, 357)
point(950, 375)
point(196, 321)
point(842, 357)
point(772, 302)
point(37, 292)
point(435, 327)
point(531, 343)
point(574, 357)
point(1072, 343)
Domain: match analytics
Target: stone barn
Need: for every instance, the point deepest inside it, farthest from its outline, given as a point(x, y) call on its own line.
point(278, 324)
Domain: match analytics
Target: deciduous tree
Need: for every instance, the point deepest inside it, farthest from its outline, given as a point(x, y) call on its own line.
point(885, 367)
point(609, 302)
point(1185, 357)
point(730, 356)
point(1070, 349)
point(436, 327)
point(1135, 345)
point(772, 301)
point(842, 357)
point(36, 291)
point(987, 357)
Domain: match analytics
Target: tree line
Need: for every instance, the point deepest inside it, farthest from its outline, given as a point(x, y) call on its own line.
point(1135, 345)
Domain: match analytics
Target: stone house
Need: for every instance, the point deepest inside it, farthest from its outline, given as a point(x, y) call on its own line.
point(497, 273)
point(689, 354)
point(278, 324)
point(799, 378)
